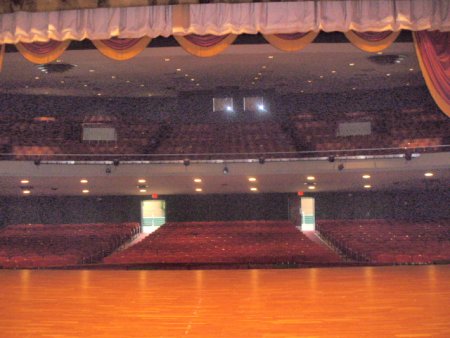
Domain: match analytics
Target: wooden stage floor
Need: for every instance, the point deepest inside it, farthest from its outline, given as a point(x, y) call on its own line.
point(403, 301)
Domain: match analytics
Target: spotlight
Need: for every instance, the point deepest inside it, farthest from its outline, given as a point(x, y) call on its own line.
point(116, 162)
point(331, 158)
point(408, 155)
point(262, 160)
point(186, 162)
point(37, 162)
point(340, 167)
point(225, 170)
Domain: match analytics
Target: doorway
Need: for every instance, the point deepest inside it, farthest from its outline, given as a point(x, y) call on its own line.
point(307, 209)
point(153, 215)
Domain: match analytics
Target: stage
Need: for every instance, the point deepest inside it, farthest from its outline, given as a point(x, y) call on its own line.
point(400, 301)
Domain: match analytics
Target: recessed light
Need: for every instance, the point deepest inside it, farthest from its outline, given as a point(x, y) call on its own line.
point(197, 84)
point(351, 64)
point(311, 187)
point(256, 78)
point(85, 191)
point(259, 74)
point(85, 85)
point(429, 174)
point(321, 76)
point(367, 186)
point(388, 74)
point(99, 94)
point(83, 181)
point(142, 190)
point(192, 79)
point(167, 59)
point(263, 67)
point(127, 81)
point(380, 53)
point(310, 178)
point(186, 75)
point(25, 181)
point(366, 176)
point(354, 88)
point(270, 57)
point(26, 192)
point(113, 77)
point(62, 81)
point(252, 179)
point(141, 85)
point(333, 72)
point(254, 189)
point(253, 83)
point(411, 69)
point(91, 70)
point(197, 180)
point(178, 69)
point(198, 189)
point(142, 180)
point(36, 77)
point(309, 81)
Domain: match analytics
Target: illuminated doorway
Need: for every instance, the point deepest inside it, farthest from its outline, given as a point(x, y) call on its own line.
point(153, 215)
point(308, 213)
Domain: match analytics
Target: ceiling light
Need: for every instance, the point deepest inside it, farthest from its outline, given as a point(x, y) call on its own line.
point(253, 189)
point(85, 191)
point(411, 69)
point(192, 79)
point(256, 78)
point(311, 187)
point(253, 83)
point(36, 77)
point(178, 69)
point(429, 174)
point(142, 180)
point(197, 180)
point(26, 192)
point(309, 81)
point(85, 85)
point(142, 190)
point(186, 75)
point(113, 77)
point(261, 107)
point(351, 64)
point(91, 70)
point(259, 74)
point(310, 178)
point(321, 76)
point(388, 74)
point(24, 181)
point(198, 189)
point(99, 94)
point(380, 53)
point(333, 72)
point(367, 186)
point(354, 88)
point(263, 67)
point(167, 59)
point(83, 181)
point(366, 176)
point(197, 84)
point(270, 57)
point(229, 108)
point(141, 85)
point(62, 81)
point(127, 81)
point(252, 179)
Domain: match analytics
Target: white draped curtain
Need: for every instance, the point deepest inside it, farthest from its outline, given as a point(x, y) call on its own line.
point(221, 19)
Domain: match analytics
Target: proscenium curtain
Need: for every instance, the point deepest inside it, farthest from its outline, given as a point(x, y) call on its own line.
point(372, 41)
point(42, 52)
point(433, 53)
point(226, 18)
point(121, 49)
point(291, 42)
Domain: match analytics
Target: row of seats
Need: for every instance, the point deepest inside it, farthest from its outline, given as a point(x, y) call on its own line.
point(243, 242)
point(53, 245)
point(390, 242)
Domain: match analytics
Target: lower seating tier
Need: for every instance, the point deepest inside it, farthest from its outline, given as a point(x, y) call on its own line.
point(390, 242)
point(56, 245)
point(243, 242)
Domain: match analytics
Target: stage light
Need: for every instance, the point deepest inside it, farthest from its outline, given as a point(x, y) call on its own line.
point(331, 158)
point(408, 155)
point(229, 108)
point(37, 162)
point(225, 170)
point(262, 160)
point(261, 107)
point(186, 162)
point(116, 162)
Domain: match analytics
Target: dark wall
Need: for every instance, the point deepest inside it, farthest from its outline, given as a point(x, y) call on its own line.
point(127, 208)
point(414, 204)
point(343, 205)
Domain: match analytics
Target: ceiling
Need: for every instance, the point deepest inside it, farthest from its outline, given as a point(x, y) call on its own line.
point(169, 71)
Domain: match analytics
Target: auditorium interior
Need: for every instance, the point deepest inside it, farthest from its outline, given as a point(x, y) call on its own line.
point(169, 170)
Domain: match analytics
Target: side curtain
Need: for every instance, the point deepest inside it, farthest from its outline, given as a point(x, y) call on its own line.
point(433, 53)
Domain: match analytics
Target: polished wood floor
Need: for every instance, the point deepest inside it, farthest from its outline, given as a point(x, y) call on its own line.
point(407, 301)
